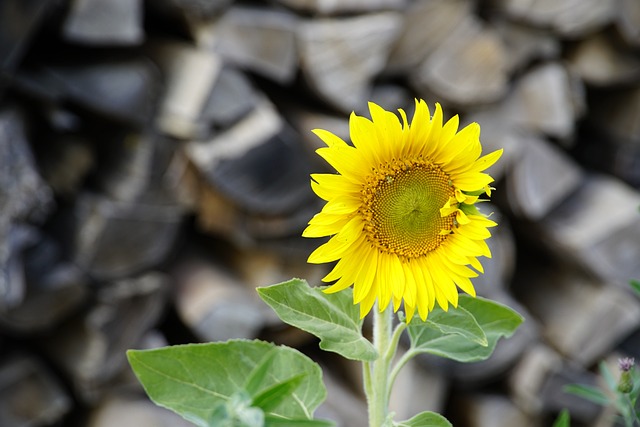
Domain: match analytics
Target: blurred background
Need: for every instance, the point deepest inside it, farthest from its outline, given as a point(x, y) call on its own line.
point(154, 169)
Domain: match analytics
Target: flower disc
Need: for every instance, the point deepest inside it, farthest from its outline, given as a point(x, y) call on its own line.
point(402, 211)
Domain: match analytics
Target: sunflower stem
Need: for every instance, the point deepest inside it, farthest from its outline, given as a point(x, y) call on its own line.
point(404, 359)
point(377, 393)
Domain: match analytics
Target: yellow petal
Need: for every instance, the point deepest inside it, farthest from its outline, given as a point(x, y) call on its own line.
point(383, 278)
point(366, 275)
point(434, 143)
point(396, 277)
point(410, 283)
point(464, 149)
point(420, 129)
point(338, 244)
point(367, 303)
point(343, 204)
point(364, 136)
point(450, 207)
point(388, 129)
point(329, 138)
point(465, 284)
point(461, 217)
point(340, 285)
point(471, 182)
point(328, 186)
point(345, 160)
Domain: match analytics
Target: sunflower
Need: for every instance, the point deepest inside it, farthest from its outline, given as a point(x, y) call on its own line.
point(401, 210)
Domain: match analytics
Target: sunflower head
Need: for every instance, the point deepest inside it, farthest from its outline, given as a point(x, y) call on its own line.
point(401, 211)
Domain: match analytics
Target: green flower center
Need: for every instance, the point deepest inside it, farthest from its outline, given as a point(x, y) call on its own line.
point(401, 208)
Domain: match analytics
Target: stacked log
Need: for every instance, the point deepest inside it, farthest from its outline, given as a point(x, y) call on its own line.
point(154, 168)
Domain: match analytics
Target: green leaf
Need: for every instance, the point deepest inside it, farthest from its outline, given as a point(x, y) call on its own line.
point(495, 319)
point(274, 395)
point(271, 421)
point(237, 412)
point(331, 317)
point(260, 374)
point(457, 321)
point(587, 392)
point(563, 419)
point(425, 419)
point(194, 380)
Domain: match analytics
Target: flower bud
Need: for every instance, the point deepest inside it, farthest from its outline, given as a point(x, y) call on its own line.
point(625, 384)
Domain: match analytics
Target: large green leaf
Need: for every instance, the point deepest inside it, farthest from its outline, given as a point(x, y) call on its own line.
point(459, 322)
point(281, 422)
point(331, 317)
point(425, 419)
point(496, 320)
point(201, 382)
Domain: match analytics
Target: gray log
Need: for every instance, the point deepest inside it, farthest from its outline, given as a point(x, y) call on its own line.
point(468, 68)
point(628, 21)
point(546, 100)
point(190, 74)
point(611, 137)
point(617, 116)
point(24, 196)
point(541, 177)
point(117, 88)
point(495, 410)
point(19, 21)
point(232, 98)
point(587, 231)
point(136, 168)
point(23, 193)
point(114, 239)
point(255, 168)
point(258, 39)
point(30, 396)
point(600, 61)
point(569, 18)
point(582, 318)
point(133, 411)
point(537, 382)
point(91, 348)
point(329, 7)
point(526, 44)
point(66, 162)
point(342, 405)
point(340, 57)
point(44, 288)
point(427, 24)
point(216, 305)
point(261, 124)
point(418, 389)
point(190, 10)
point(105, 23)
point(16, 238)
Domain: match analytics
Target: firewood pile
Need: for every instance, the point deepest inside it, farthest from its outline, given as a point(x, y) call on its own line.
point(154, 169)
